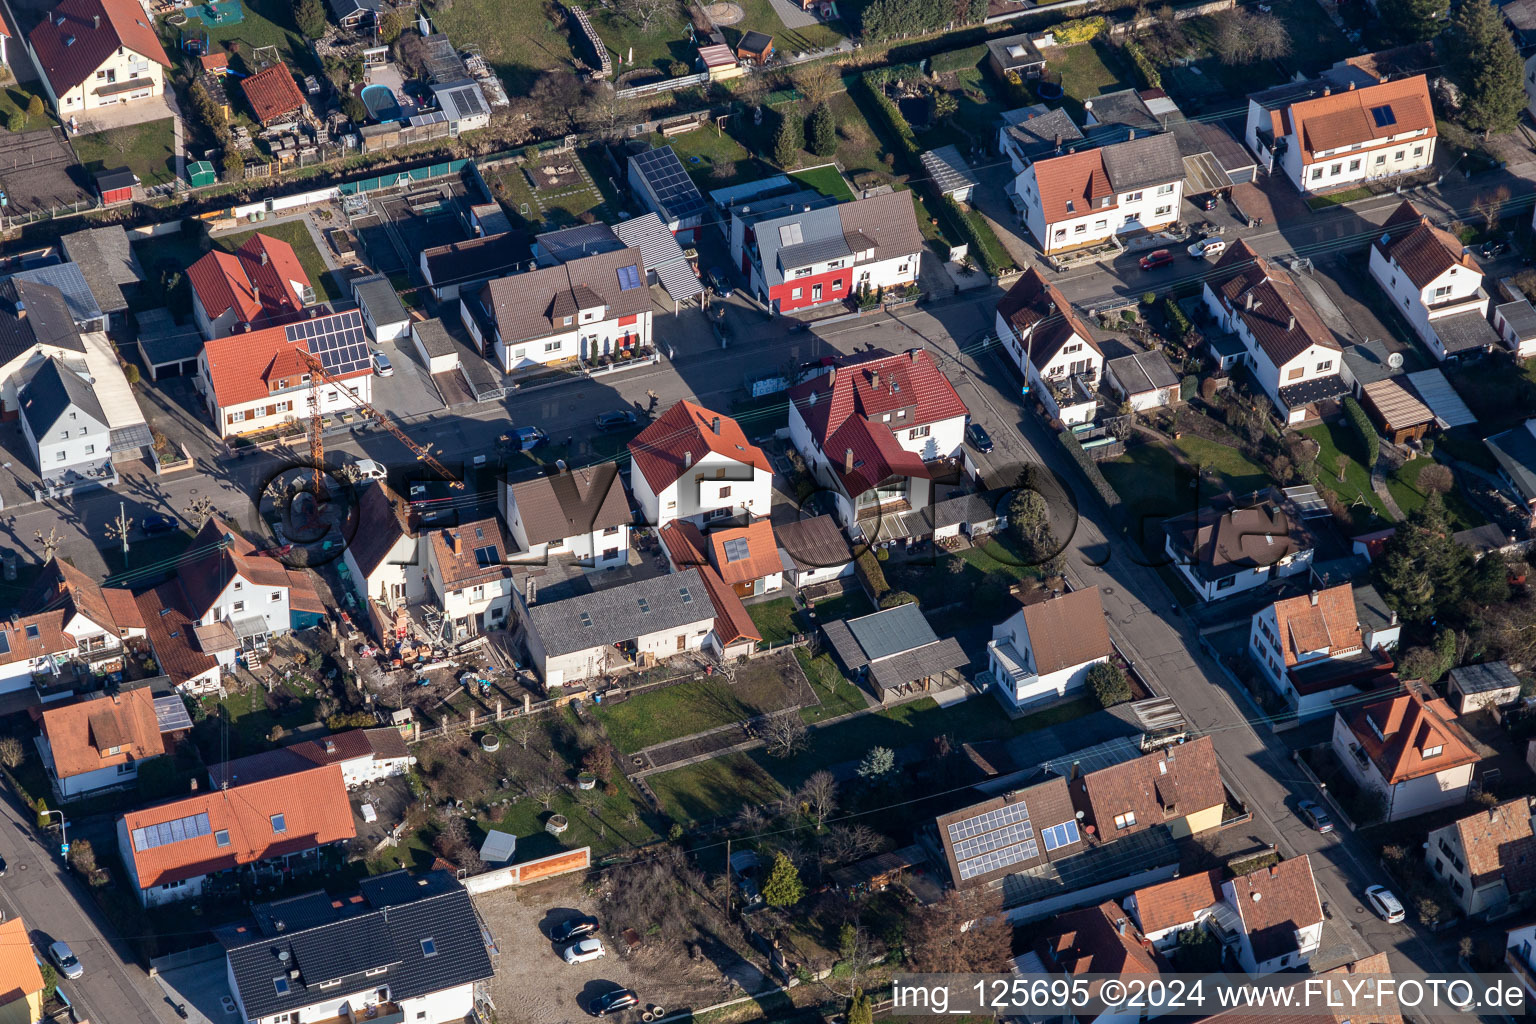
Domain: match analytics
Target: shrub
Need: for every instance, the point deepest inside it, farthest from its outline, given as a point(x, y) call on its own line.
point(35, 106)
point(1187, 387)
point(892, 598)
point(16, 121)
point(1177, 321)
point(783, 887)
point(1090, 468)
point(1083, 30)
point(677, 69)
point(821, 131)
point(894, 125)
point(984, 243)
point(1109, 684)
point(870, 574)
point(786, 143)
point(1145, 69)
point(1367, 432)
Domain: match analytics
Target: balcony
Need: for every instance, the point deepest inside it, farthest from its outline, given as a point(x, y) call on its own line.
point(378, 1013)
point(1522, 970)
point(1013, 666)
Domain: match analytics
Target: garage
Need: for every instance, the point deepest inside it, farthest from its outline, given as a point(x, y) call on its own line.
point(166, 348)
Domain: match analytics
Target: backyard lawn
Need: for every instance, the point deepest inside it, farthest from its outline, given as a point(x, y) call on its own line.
point(714, 159)
point(296, 234)
point(664, 41)
point(671, 712)
point(859, 149)
point(1335, 439)
point(14, 99)
point(148, 150)
point(760, 17)
point(1155, 484)
point(709, 789)
point(1086, 70)
point(266, 23)
point(838, 695)
point(516, 37)
point(557, 208)
point(827, 180)
point(603, 825)
point(1405, 490)
point(253, 714)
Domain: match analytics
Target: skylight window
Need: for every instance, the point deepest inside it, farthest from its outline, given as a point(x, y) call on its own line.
point(279, 823)
point(31, 632)
point(645, 606)
point(629, 278)
point(687, 597)
point(1384, 116)
point(221, 837)
point(428, 947)
point(586, 620)
point(281, 984)
point(486, 555)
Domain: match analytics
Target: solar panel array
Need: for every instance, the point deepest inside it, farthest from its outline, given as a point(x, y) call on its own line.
point(674, 190)
point(736, 549)
point(1384, 116)
point(1061, 835)
point(337, 341)
point(629, 277)
point(993, 840)
point(167, 832)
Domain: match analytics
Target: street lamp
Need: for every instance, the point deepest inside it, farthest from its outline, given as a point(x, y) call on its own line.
point(63, 831)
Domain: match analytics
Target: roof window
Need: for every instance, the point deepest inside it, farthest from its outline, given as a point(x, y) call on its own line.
point(279, 823)
point(428, 947)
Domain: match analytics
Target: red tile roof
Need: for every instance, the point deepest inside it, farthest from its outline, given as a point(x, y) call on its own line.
point(221, 555)
point(691, 547)
point(1069, 630)
point(1174, 782)
point(1500, 845)
point(314, 811)
point(256, 281)
point(1177, 901)
point(1396, 731)
point(79, 35)
point(685, 430)
point(1073, 185)
point(1321, 619)
point(1097, 940)
point(1269, 302)
point(1348, 118)
point(454, 552)
point(240, 366)
point(273, 94)
point(1275, 903)
point(171, 635)
point(1033, 302)
point(79, 735)
point(63, 587)
point(732, 622)
point(1423, 251)
point(214, 61)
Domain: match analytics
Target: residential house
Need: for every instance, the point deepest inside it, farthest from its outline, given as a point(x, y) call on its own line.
point(813, 551)
point(1323, 139)
point(384, 557)
point(1100, 940)
point(1487, 685)
point(1407, 747)
point(365, 756)
point(868, 427)
point(383, 314)
point(1045, 650)
point(73, 619)
point(35, 326)
point(274, 97)
point(1293, 355)
point(1358, 975)
point(1027, 853)
point(259, 284)
point(1515, 452)
point(1051, 347)
point(1167, 910)
point(637, 623)
point(1092, 196)
point(1438, 288)
point(409, 948)
point(1015, 55)
point(70, 280)
point(470, 579)
point(460, 268)
point(693, 463)
point(355, 14)
point(745, 557)
point(1312, 650)
point(66, 431)
point(98, 744)
point(587, 309)
point(810, 257)
point(1278, 917)
point(21, 976)
point(581, 515)
point(1124, 114)
point(1144, 380)
point(98, 53)
point(463, 103)
point(1520, 956)
point(1487, 859)
point(662, 184)
point(1237, 544)
point(1029, 133)
point(747, 206)
point(172, 850)
point(896, 652)
point(1178, 787)
point(258, 381)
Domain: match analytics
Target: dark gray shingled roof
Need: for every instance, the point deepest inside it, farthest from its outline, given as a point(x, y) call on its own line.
point(1466, 332)
point(106, 259)
point(403, 913)
point(162, 340)
point(52, 392)
point(1141, 372)
point(618, 613)
point(1137, 163)
point(34, 314)
point(376, 295)
point(69, 279)
point(1042, 133)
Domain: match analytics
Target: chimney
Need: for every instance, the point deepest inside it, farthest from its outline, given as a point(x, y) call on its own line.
point(456, 543)
point(1120, 925)
point(1314, 599)
point(533, 589)
point(330, 746)
point(194, 785)
point(1351, 86)
point(832, 377)
point(96, 21)
point(715, 424)
point(687, 459)
point(256, 293)
point(1292, 325)
point(1248, 301)
point(1274, 870)
point(874, 380)
point(913, 353)
point(265, 258)
point(1130, 133)
point(1327, 90)
point(847, 460)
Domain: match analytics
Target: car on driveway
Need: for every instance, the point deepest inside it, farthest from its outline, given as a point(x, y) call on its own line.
point(573, 928)
point(612, 1001)
point(616, 420)
point(1493, 249)
point(1387, 906)
point(979, 438)
point(159, 524)
point(1314, 815)
point(1206, 202)
point(720, 283)
point(1158, 258)
point(584, 951)
point(382, 366)
point(1207, 247)
point(64, 959)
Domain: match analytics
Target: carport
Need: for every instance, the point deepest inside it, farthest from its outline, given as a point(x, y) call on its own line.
point(167, 349)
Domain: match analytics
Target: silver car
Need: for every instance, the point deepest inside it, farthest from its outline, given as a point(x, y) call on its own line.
point(64, 959)
point(1385, 904)
point(584, 951)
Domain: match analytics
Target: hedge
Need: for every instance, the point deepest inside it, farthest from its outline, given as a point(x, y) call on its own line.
point(896, 128)
point(958, 60)
point(1089, 467)
point(1084, 30)
point(1187, 388)
point(1176, 318)
point(1367, 431)
point(1150, 79)
point(870, 574)
point(985, 245)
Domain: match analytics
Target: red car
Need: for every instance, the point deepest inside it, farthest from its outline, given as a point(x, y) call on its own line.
point(1153, 260)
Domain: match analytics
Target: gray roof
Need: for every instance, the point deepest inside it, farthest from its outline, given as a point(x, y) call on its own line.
point(1465, 332)
point(1515, 452)
point(421, 934)
point(1370, 608)
point(892, 631)
point(69, 279)
point(574, 242)
point(52, 392)
point(1137, 163)
point(968, 509)
point(1287, 93)
point(1013, 52)
point(1484, 678)
point(498, 847)
point(376, 295)
point(1436, 392)
point(1123, 108)
point(1521, 317)
point(733, 194)
point(622, 613)
point(1141, 372)
point(33, 314)
point(1368, 362)
point(107, 260)
point(1480, 540)
point(526, 306)
point(162, 340)
point(791, 233)
point(948, 169)
point(929, 660)
point(1040, 134)
point(461, 99)
point(434, 337)
point(662, 253)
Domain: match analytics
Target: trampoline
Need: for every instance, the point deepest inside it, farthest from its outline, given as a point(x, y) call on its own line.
point(218, 13)
point(381, 103)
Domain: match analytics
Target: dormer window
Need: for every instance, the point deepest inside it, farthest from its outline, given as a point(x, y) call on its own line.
point(111, 751)
point(1430, 752)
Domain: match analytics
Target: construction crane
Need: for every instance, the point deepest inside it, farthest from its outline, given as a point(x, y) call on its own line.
point(318, 373)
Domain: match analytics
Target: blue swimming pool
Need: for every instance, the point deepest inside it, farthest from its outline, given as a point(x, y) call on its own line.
point(381, 103)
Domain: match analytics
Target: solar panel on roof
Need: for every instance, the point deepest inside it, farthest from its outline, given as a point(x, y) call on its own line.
point(736, 549)
point(629, 277)
point(673, 188)
point(1383, 116)
point(151, 836)
point(5, 643)
point(337, 341)
point(993, 840)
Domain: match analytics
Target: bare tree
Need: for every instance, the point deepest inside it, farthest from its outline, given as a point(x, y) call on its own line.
point(555, 102)
point(544, 789)
point(844, 844)
point(784, 734)
point(521, 730)
point(201, 510)
point(961, 934)
point(751, 820)
point(817, 82)
point(1490, 205)
point(646, 11)
point(1246, 37)
point(819, 794)
point(49, 542)
point(83, 857)
point(12, 753)
point(1341, 464)
point(1436, 478)
point(653, 896)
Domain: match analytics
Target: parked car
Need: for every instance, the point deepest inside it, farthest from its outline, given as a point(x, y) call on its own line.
point(1493, 249)
point(2, 867)
point(616, 420)
point(1314, 815)
point(1207, 247)
point(1386, 905)
point(368, 469)
point(719, 282)
point(584, 951)
point(978, 436)
point(159, 524)
point(1159, 258)
point(1206, 202)
point(615, 999)
point(526, 438)
point(574, 928)
point(382, 365)
point(64, 959)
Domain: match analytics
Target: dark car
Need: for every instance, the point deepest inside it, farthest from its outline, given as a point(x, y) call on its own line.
point(979, 438)
point(616, 420)
point(2, 867)
point(1205, 202)
point(615, 999)
point(1314, 815)
point(575, 928)
point(1153, 260)
point(720, 282)
point(1493, 249)
point(159, 524)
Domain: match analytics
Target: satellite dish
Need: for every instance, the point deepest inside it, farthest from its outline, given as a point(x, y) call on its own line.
point(1395, 360)
point(1079, 817)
